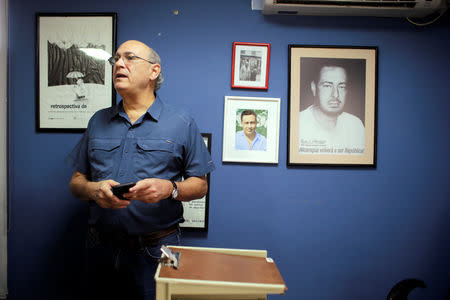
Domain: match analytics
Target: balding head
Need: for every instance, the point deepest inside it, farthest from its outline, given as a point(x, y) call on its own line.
point(144, 51)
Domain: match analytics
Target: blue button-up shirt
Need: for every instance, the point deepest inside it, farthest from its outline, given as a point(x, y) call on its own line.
point(163, 143)
point(259, 142)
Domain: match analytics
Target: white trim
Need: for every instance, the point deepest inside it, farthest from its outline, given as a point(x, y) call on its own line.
point(3, 146)
point(243, 252)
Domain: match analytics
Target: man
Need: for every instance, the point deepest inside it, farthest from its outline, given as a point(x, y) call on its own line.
point(248, 138)
point(244, 72)
point(142, 140)
point(324, 127)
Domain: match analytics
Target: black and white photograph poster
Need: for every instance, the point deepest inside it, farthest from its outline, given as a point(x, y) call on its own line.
point(250, 69)
point(196, 212)
point(74, 77)
point(332, 105)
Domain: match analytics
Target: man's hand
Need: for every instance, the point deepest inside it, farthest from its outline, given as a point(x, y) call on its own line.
point(150, 190)
point(101, 193)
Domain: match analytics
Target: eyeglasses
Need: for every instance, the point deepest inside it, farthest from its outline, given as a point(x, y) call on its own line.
point(127, 58)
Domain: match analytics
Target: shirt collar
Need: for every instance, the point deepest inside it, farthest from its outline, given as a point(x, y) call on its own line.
point(154, 111)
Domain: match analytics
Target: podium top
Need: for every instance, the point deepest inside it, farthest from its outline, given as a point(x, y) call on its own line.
point(213, 266)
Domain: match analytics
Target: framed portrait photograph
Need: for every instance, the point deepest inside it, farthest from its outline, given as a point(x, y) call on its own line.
point(196, 212)
point(73, 76)
point(251, 128)
point(332, 105)
point(250, 68)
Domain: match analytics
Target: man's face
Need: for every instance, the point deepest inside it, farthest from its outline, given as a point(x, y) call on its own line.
point(132, 76)
point(248, 124)
point(331, 90)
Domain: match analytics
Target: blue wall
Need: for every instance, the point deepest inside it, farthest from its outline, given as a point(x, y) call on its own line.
point(335, 233)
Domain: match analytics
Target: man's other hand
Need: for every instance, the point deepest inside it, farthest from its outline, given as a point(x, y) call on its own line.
point(150, 190)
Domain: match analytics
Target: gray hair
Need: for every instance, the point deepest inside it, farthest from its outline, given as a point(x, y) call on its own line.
point(154, 57)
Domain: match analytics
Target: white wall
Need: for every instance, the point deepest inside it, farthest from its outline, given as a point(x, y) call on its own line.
point(3, 130)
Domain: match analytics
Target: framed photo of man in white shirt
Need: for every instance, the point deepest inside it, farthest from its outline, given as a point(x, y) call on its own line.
point(251, 129)
point(332, 105)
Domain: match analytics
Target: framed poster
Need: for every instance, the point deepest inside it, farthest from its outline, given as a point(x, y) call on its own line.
point(332, 105)
point(250, 68)
point(196, 212)
point(251, 129)
point(74, 78)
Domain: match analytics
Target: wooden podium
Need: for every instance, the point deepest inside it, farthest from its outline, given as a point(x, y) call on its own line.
point(218, 274)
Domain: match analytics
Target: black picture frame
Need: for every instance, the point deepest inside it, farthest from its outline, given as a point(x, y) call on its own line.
point(350, 100)
point(196, 212)
point(73, 76)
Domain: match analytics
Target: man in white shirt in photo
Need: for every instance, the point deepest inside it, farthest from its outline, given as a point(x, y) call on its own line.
point(324, 127)
point(248, 138)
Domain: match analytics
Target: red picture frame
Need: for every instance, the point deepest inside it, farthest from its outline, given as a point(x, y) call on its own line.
point(250, 65)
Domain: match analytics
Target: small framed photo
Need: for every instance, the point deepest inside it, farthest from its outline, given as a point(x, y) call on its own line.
point(332, 105)
point(250, 69)
point(74, 78)
point(196, 212)
point(251, 129)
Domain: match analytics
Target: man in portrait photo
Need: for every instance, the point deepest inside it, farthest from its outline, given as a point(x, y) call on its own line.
point(331, 122)
point(248, 138)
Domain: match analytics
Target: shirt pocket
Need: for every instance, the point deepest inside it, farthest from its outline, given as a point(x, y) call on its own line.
point(154, 158)
point(102, 156)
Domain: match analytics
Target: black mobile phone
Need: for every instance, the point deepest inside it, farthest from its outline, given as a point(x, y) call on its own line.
point(120, 189)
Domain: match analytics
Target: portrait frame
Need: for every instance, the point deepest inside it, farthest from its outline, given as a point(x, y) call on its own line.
point(353, 141)
point(196, 212)
point(73, 76)
point(264, 148)
point(250, 65)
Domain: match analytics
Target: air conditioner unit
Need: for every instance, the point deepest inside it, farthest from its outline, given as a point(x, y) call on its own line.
point(380, 8)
